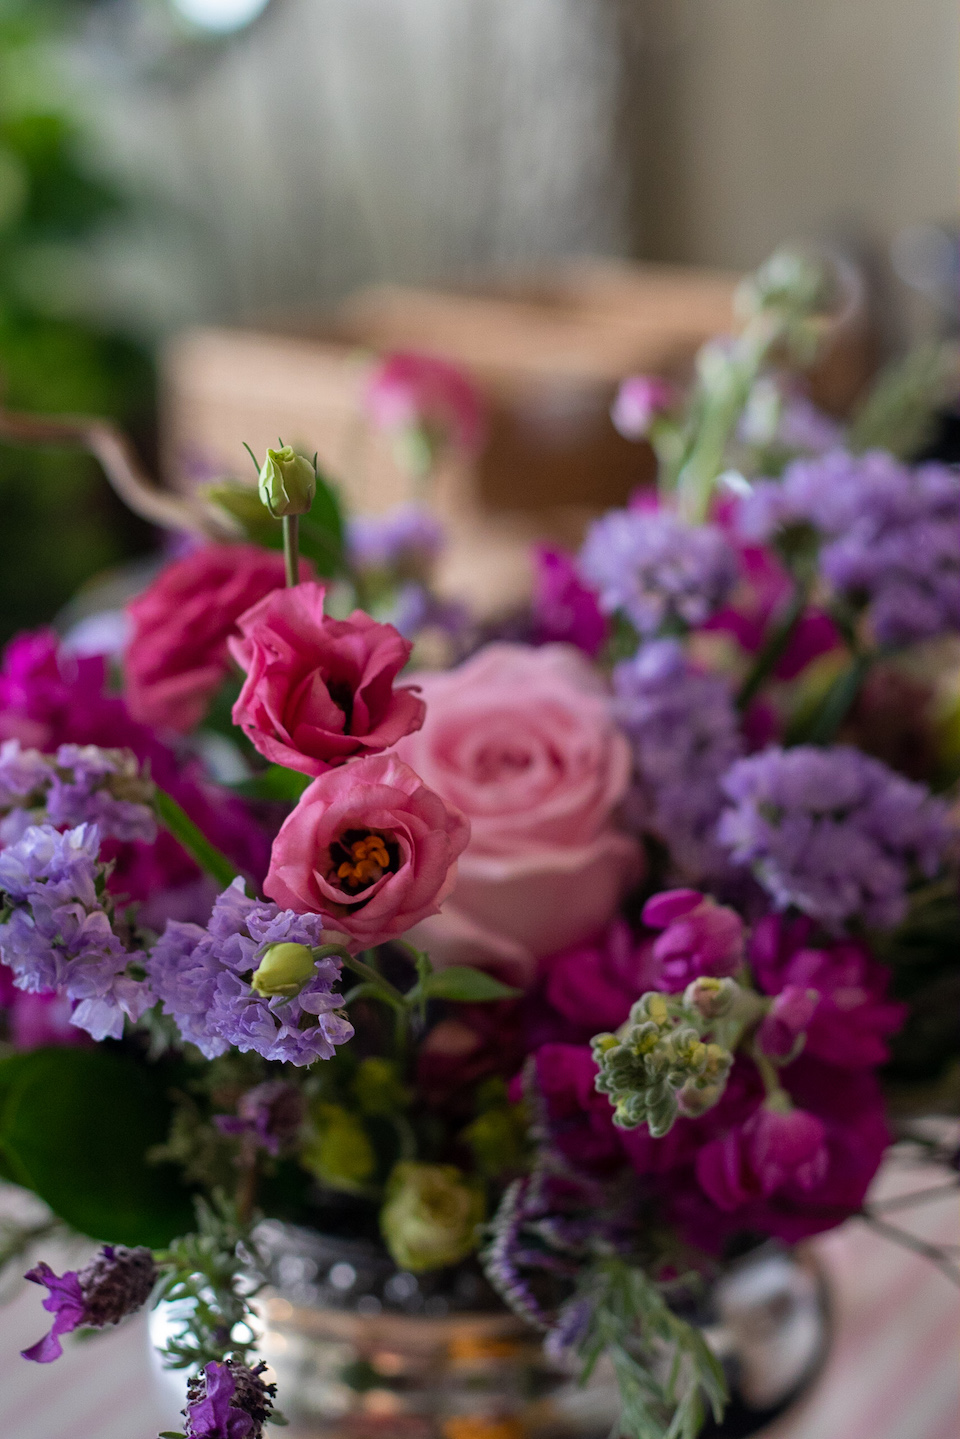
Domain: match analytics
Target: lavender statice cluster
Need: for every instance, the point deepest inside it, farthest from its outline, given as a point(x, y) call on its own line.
point(890, 535)
point(404, 541)
point(656, 569)
point(58, 932)
point(683, 728)
point(832, 832)
point(203, 979)
point(78, 784)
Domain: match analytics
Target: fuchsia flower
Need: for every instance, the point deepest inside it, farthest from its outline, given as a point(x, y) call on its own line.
point(177, 655)
point(700, 937)
point(773, 1149)
point(640, 399)
point(319, 691)
point(563, 608)
point(407, 391)
point(785, 1025)
point(370, 848)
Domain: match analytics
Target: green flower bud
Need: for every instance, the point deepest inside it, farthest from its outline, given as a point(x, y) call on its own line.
point(288, 482)
point(431, 1215)
point(283, 969)
point(339, 1152)
point(711, 998)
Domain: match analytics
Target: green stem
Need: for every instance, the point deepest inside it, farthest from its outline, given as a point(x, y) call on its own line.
point(838, 701)
point(193, 840)
point(774, 648)
point(768, 1072)
point(291, 548)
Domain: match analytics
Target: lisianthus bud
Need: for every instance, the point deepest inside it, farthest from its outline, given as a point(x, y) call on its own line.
point(431, 1215)
point(288, 482)
point(283, 969)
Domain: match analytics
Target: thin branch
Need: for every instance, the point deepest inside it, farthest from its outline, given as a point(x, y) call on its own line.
point(916, 1196)
point(950, 1269)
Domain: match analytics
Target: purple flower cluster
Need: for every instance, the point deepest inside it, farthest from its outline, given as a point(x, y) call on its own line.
point(228, 1401)
point(80, 784)
point(683, 728)
point(58, 934)
point(268, 1116)
point(202, 977)
point(891, 535)
point(656, 568)
point(405, 540)
point(832, 832)
point(115, 1283)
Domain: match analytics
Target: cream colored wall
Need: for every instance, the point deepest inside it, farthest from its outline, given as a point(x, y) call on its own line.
point(773, 118)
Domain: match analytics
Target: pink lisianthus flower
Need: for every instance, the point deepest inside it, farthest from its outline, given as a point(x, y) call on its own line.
point(369, 847)
point(523, 742)
point(407, 391)
point(320, 691)
point(700, 937)
point(177, 654)
point(853, 1018)
point(564, 610)
point(639, 400)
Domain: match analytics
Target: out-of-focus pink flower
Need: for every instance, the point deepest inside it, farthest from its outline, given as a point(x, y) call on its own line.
point(640, 399)
point(319, 691)
point(593, 985)
point(523, 741)
point(407, 391)
point(700, 937)
point(787, 1020)
point(853, 1017)
point(472, 1044)
point(49, 698)
point(773, 1149)
point(563, 608)
point(36, 1020)
point(370, 848)
point(177, 654)
point(580, 1120)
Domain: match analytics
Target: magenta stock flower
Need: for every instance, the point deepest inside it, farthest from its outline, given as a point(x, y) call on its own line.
point(408, 391)
point(177, 655)
point(700, 937)
point(114, 1284)
point(639, 400)
point(319, 691)
point(787, 1021)
point(773, 1149)
point(563, 608)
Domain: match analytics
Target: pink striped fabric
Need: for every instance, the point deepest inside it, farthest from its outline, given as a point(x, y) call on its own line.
point(893, 1372)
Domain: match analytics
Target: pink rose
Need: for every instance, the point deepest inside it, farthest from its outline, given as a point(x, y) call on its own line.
point(408, 391)
point(177, 655)
point(370, 848)
point(523, 742)
point(319, 691)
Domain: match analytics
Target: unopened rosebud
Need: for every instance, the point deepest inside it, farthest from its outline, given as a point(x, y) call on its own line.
point(288, 482)
point(711, 998)
point(432, 1215)
point(283, 969)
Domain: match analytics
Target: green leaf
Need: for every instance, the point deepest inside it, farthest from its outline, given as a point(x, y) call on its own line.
point(193, 840)
point(276, 782)
point(322, 530)
point(75, 1126)
point(460, 982)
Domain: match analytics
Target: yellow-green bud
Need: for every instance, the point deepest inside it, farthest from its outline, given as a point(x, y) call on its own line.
point(431, 1215)
point(338, 1151)
point(283, 969)
point(288, 482)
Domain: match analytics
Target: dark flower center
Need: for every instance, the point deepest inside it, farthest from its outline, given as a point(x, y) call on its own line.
point(360, 857)
point(342, 695)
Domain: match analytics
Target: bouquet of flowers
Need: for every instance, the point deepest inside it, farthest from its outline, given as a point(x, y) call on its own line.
point(582, 947)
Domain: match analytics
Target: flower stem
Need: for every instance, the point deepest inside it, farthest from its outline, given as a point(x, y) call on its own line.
point(186, 833)
point(838, 701)
point(774, 647)
point(291, 548)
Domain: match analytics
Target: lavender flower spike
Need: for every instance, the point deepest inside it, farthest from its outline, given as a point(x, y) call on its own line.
point(114, 1284)
point(656, 568)
point(228, 1401)
point(203, 978)
point(832, 832)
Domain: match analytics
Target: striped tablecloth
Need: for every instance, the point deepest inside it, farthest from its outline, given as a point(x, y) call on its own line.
point(894, 1371)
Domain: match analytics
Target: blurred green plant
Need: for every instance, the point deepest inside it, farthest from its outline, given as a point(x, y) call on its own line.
point(61, 522)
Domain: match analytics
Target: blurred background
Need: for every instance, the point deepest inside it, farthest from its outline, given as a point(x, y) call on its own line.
point(209, 207)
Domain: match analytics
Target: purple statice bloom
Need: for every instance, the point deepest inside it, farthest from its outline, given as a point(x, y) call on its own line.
point(202, 976)
point(404, 541)
point(564, 610)
point(270, 1114)
point(115, 1283)
point(657, 569)
point(832, 832)
point(890, 535)
point(228, 1401)
point(416, 608)
point(802, 426)
point(58, 936)
point(101, 787)
point(683, 727)
point(24, 776)
point(700, 937)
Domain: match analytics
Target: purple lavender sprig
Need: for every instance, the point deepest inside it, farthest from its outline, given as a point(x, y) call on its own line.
point(117, 1282)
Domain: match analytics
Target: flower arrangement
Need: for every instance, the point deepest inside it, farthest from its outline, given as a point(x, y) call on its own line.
point(583, 958)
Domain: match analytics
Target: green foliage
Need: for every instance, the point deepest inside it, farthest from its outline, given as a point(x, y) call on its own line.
point(461, 982)
point(338, 1151)
point(194, 841)
point(209, 1271)
point(321, 531)
point(900, 412)
point(665, 1371)
point(274, 783)
point(75, 1128)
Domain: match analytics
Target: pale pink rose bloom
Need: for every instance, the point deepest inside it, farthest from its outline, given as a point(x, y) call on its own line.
point(318, 690)
point(369, 847)
point(523, 742)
